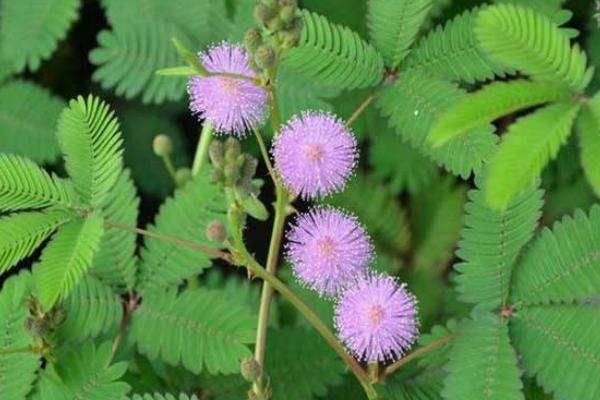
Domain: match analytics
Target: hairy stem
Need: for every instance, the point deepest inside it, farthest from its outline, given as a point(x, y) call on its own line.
point(361, 108)
point(201, 157)
point(265, 154)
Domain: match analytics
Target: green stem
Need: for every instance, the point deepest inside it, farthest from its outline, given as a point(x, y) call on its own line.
point(265, 154)
point(13, 350)
point(361, 108)
point(169, 166)
point(201, 157)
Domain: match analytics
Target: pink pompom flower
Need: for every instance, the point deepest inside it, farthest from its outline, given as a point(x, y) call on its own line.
point(315, 154)
point(376, 319)
point(328, 249)
point(231, 105)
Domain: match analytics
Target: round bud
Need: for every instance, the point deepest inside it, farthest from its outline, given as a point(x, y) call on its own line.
point(253, 39)
point(268, 3)
point(263, 13)
point(182, 176)
point(264, 57)
point(216, 152)
point(216, 232)
point(250, 369)
point(162, 145)
point(232, 174)
point(287, 13)
point(232, 149)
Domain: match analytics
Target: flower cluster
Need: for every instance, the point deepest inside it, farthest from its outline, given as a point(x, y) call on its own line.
point(329, 250)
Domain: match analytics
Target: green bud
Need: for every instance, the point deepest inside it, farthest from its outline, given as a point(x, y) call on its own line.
point(217, 175)
point(290, 39)
point(250, 369)
point(287, 13)
point(253, 39)
point(232, 174)
point(232, 149)
point(216, 231)
point(264, 57)
point(216, 152)
point(183, 176)
point(162, 145)
point(269, 3)
point(249, 167)
point(263, 13)
point(58, 317)
point(275, 25)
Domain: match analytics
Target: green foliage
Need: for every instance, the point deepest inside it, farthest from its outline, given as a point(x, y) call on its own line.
point(140, 43)
point(483, 364)
point(17, 369)
point(530, 42)
point(562, 265)
point(394, 24)
point(66, 259)
point(167, 396)
point(308, 375)
point(88, 134)
point(185, 215)
point(92, 309)
point(415, 102)
point(199, 329)
point(491, 242)
point(452, 52)
point(116, 260)
point(334, 55)
point(22, 233)
point(24, 185)
point(528, 146)
point(547, 7)
point(30, 29)
point(28, 121)
point(492, 102)
point(559, 345)
point(588, 129)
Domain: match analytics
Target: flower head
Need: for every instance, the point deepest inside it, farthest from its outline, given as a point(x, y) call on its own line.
point(377, 319)
point(315, 154)
point(328, 249)
point(229, 104)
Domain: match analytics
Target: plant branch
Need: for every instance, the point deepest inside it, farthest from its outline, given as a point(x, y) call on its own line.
point(235, 76)
point(201, 157)
point(264, 153)
point(130, 305)
point(361, 108)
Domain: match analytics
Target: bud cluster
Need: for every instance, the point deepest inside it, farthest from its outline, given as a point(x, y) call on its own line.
point(231, 167)
point(43, 324)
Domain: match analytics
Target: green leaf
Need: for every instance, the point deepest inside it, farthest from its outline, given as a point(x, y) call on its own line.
point(186, 215)
point(559, 345)
point(527, 147)
point(92, 309)
point(199, 329)
point(88, 134)
point(415, 102)
point(24, 185)
point(483, 364)
point(309, 375)
point(563, 264)
point(492, 102)
point(334, 55)
point(66, 259)
point(530, 42)
point(18, 369)
point(21, 234)
point(167, 396)
point(393, 26)
point(452, 52)
point(588, 129)
point(28, 121)
point(116, 260)
point(491, 241)
point(31, 29)
point(139, 43)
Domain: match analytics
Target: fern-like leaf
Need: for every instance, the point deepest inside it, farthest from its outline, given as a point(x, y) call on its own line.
point(17, 369)
point(89, 137)
point(563, 264)
point(394, 24)
point(30, 29)
point(92, 309)
point(560, 346)
point(530, 42)
point(21, 234)
point(452, 52)
point(415, 102)
point(157, 396)
point(199, 329)
point(529, 145)
point(185, 216)
point(588, 129)
point(116, 260)
point(28, 121)
point(492, 102)
point(491, 242)
point(483, 364)
point(24, 185)
point(334, 55)
point(65, 260)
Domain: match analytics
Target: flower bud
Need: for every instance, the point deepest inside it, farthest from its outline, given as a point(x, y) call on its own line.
point(216, 152)
point(216, 231)
point(250, 369)
point(36, 327)
point(232, 149)
point(253, 39)
point(232, 174)
point(162, 145)
point(288, 3)
point(216, 175)
point(182, 176)
point(268, 3)
point(264, 57)
point(263, 13)
point(58, 317)
point(287, 13)
point(249, 167)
